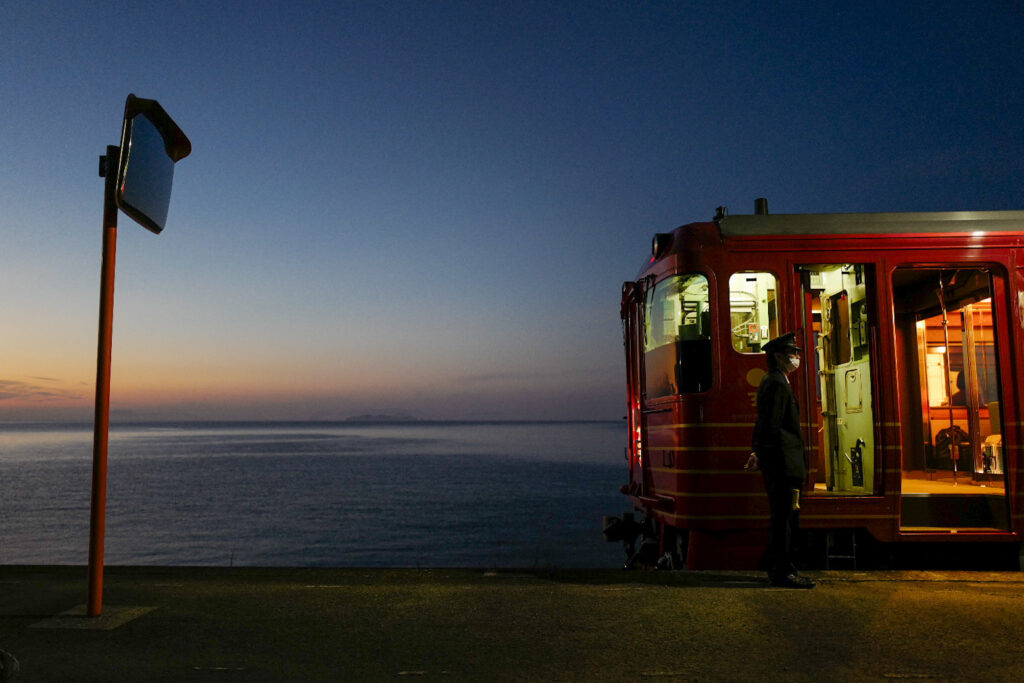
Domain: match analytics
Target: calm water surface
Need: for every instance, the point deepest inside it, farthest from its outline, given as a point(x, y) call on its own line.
point(317, 494)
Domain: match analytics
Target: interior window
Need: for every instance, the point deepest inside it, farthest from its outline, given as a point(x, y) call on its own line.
point(677, 337)
point(752, 309)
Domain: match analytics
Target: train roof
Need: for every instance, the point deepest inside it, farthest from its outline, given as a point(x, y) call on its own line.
point(871, 223)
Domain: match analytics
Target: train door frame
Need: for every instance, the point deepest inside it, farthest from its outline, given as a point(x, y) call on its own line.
point(907, 373)
point(862, 348)
point(634, 297)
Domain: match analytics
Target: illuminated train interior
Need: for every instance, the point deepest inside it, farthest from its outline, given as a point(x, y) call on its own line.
point(951, 468)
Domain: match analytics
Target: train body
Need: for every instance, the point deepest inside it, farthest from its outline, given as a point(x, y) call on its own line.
point(910, 388)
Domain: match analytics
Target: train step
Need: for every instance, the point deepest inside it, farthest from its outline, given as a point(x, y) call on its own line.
point(841, 549)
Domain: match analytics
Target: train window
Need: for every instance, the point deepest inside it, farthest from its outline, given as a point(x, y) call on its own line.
point(677, 337)
point(753, 311)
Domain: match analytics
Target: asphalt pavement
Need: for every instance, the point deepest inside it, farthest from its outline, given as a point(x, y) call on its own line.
point(230, 624)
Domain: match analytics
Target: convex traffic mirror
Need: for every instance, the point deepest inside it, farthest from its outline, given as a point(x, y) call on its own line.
point(150, 145)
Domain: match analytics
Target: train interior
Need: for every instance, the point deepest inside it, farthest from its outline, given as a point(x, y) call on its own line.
point(842, 454)
point(836, 299)
point(952, 470)
point(951, 459)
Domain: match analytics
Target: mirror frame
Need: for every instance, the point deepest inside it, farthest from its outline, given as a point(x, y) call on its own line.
point(176, 144)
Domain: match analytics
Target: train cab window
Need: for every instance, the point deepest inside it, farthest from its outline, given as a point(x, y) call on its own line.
point(753, 310)
point(837, 306)
point(677, 337)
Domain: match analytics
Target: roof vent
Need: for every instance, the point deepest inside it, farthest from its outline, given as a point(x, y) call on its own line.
point(760, 206)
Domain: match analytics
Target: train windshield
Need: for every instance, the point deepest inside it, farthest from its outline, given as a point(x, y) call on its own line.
point(677, 336)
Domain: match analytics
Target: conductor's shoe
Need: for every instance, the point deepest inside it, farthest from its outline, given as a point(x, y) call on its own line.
point(793, 581)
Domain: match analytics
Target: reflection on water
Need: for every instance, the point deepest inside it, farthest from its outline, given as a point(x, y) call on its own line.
point(434, 494)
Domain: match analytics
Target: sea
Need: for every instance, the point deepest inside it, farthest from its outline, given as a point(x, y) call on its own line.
point(316, 494)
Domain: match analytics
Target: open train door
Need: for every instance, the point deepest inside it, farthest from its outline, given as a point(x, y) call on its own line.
point(949, 326)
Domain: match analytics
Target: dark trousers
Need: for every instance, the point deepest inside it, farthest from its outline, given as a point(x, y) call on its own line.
point(785, 522)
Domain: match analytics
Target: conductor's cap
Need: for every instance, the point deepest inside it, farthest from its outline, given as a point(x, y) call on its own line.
point(786, 342)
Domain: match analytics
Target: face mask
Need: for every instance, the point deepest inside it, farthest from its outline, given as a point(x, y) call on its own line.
point(794, 362)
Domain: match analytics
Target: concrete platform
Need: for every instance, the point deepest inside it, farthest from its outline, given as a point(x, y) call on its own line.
point(213, 624)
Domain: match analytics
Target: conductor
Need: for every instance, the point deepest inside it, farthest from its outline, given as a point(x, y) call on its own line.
point(778, 450)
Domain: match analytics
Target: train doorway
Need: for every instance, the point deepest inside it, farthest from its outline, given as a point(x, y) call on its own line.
point(953, 474)
point(837, 310)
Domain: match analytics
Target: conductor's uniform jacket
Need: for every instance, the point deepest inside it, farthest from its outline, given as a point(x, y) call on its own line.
point(777, 440)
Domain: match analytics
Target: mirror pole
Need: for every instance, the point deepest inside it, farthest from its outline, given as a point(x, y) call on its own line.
point(101, 423)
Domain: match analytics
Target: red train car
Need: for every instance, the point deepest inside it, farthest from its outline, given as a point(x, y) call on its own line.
point(910, 390)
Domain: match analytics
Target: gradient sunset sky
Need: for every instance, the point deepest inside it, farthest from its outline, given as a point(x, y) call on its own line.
point(428, 208)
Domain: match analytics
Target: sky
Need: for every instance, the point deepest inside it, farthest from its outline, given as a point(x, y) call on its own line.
point(427, 209)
